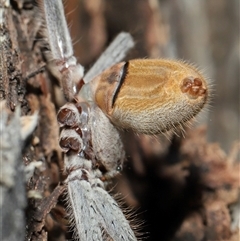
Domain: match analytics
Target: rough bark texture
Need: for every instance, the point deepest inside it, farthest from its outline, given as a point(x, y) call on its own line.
point(183, 188)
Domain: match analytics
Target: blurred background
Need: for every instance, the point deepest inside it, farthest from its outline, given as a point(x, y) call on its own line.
point(202, 32)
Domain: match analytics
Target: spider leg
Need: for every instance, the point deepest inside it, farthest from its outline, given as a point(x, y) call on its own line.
point(61, 61)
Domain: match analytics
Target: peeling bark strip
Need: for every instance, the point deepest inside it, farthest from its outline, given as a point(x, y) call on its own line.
point(38, 219)
point(11, 86)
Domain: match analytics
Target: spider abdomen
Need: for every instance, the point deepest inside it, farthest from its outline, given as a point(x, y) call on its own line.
point(150, 96)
